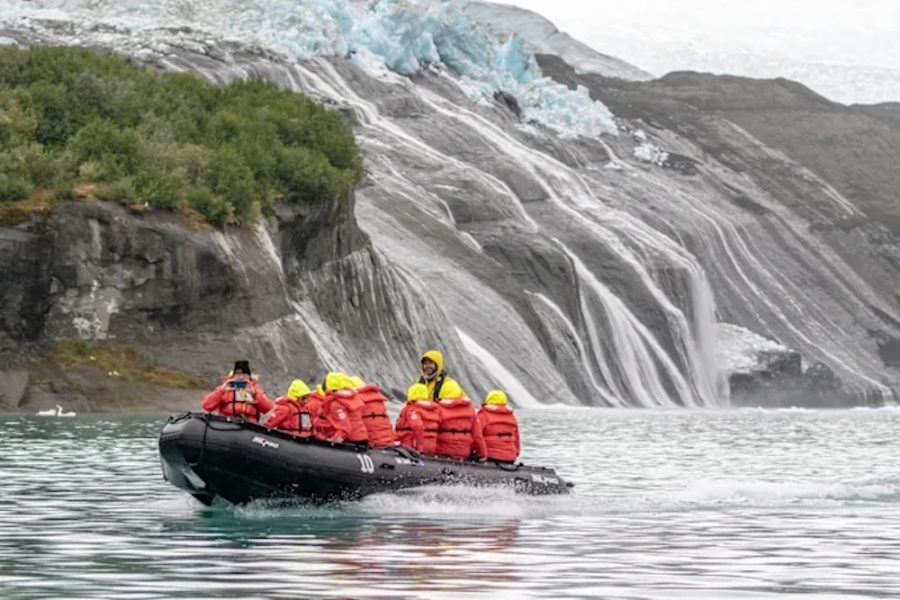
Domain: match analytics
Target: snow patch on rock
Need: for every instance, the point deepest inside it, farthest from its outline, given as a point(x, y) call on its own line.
point(740, 348)
point(651, 153)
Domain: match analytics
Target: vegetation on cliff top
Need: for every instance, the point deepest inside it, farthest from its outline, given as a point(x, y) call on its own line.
point(78, 123)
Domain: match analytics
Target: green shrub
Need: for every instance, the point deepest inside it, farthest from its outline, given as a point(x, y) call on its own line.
point(158, 188)
point(14, 187)
point(232, 180)
point(307, 175)
point(214, 209)
point(122, 191)
point(71, 116)
point(116, 150)
point(17, 124)
point(41, 167)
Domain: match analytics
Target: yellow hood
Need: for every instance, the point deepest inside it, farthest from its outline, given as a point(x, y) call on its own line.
point(496, 397)
point(436, 357)
point(356, 381)
point(297, 390)
point(336, 381)
point(417, 392)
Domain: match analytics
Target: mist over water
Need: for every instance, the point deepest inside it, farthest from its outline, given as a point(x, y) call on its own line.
point(715, 504)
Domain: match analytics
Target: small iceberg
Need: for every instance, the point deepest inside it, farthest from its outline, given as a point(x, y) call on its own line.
point(59, 412)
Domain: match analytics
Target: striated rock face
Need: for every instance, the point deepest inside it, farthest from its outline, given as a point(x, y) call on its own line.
point(593, 269)
point(813, 236)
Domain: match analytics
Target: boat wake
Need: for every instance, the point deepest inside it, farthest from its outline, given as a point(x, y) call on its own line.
point(454, 504)
point(447, 503)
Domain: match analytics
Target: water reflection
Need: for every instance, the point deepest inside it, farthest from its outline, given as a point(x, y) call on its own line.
point(349, 547)
point(715, 504)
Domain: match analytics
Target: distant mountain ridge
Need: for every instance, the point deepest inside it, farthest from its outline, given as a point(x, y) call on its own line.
point(845, 83)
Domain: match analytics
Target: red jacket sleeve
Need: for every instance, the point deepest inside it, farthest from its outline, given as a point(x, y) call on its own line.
point(277, 418)
point(262, 401)
point(213, 400)
point(482, 419)
point(478, 437)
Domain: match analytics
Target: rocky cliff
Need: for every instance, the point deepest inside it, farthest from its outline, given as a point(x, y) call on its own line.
point(827, 173)
point(184, 297)
point(717, 237)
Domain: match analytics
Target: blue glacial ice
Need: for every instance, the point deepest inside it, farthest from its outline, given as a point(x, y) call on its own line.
point(402, 37)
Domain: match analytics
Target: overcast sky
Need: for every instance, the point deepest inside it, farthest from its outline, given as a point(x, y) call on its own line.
point(818, 39)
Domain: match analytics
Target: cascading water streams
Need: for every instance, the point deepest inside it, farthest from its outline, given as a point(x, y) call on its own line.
point(497, 239)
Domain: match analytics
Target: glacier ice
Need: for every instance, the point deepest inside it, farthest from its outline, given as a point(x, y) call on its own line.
point(542, 37)
point(380, 37)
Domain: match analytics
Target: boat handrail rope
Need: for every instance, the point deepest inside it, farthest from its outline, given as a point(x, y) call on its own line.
point(203, 442)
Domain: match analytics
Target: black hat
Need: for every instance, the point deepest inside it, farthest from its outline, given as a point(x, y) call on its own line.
point(242, 366)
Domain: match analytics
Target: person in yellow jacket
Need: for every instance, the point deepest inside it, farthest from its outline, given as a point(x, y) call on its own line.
point(435, 378)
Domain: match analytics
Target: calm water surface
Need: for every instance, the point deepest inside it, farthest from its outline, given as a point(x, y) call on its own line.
point(730, 504)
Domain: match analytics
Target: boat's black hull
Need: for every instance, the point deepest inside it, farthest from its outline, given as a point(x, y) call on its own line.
point(211, 456)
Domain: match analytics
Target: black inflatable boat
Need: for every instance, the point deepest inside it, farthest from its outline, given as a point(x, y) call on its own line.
point(211, 456)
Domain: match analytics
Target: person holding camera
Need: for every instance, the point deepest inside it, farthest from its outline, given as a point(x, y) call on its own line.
point(238, 396)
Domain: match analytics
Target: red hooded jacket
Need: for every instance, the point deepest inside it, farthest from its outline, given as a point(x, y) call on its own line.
point(375, 417)
point(501, 432)
point(417, 426)
point(295, 416)
point(249, 402)
point(340, 418)
point(459, 432)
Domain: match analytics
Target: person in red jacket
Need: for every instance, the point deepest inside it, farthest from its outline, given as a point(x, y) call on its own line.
point(459, 433)
point(375, 417)
point(318, 394)
point(238, 396)
point(340, 416)
point(417, 425)
point(296, 411)
point(499, 427)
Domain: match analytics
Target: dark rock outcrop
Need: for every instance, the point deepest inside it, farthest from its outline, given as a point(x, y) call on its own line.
point(190, 298)
point(24, 284)
point(12, 388)
point(782, 383)
point(509, 101)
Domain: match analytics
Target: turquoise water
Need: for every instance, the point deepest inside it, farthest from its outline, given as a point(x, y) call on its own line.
point(680, 504)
